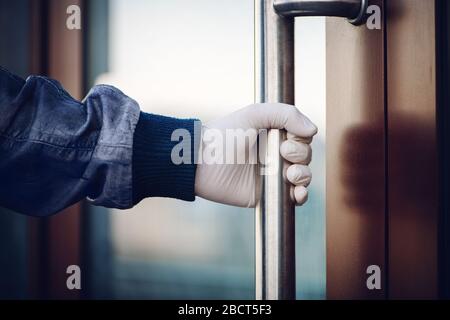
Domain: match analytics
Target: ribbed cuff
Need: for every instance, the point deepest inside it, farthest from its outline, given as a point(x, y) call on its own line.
point(155, 173)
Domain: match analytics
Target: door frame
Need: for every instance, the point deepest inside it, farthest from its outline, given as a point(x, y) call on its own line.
point(55, 242)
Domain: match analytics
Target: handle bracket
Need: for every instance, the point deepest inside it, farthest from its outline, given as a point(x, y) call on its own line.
point(353, 10)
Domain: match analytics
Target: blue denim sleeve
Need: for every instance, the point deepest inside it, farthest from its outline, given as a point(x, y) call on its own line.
point(56, 151)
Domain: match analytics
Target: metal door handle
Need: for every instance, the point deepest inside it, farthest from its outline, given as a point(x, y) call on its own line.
point(274, 77)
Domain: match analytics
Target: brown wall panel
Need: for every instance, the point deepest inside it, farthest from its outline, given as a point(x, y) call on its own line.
point(355, 159)
point(412, 149)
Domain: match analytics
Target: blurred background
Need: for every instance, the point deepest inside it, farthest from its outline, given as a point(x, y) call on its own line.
point(182, 58)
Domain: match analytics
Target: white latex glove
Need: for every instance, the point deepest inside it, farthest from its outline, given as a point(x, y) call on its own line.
point(234, 184)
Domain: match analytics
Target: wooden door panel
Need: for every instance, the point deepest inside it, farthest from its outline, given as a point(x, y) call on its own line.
point(412, 149)
point(382, 154)
point(355, 159)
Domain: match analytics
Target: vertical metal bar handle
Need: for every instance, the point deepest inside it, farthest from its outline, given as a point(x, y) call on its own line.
point(274, 77)
point(274, 217)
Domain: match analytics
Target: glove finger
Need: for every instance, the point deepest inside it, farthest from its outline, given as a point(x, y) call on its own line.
point(299, 195)
point(296, 152)
point(299, 175)
point(280, 116)
point(293, 137)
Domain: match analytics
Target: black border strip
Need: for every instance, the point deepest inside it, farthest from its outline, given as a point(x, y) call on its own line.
point(442, 12)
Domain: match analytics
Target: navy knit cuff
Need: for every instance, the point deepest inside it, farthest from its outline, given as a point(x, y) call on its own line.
point(154, 172)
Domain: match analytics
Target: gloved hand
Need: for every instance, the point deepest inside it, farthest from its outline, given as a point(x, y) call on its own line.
point(233, 182)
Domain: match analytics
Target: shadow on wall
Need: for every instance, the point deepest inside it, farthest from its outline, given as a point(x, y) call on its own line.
point(411, 182)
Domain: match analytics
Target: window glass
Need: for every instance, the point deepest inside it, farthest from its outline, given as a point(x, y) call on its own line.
point(195, 59)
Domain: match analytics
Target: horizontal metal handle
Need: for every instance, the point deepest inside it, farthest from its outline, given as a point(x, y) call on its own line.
point(354, 10)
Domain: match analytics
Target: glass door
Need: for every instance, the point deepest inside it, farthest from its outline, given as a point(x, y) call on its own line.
point(196, 59)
